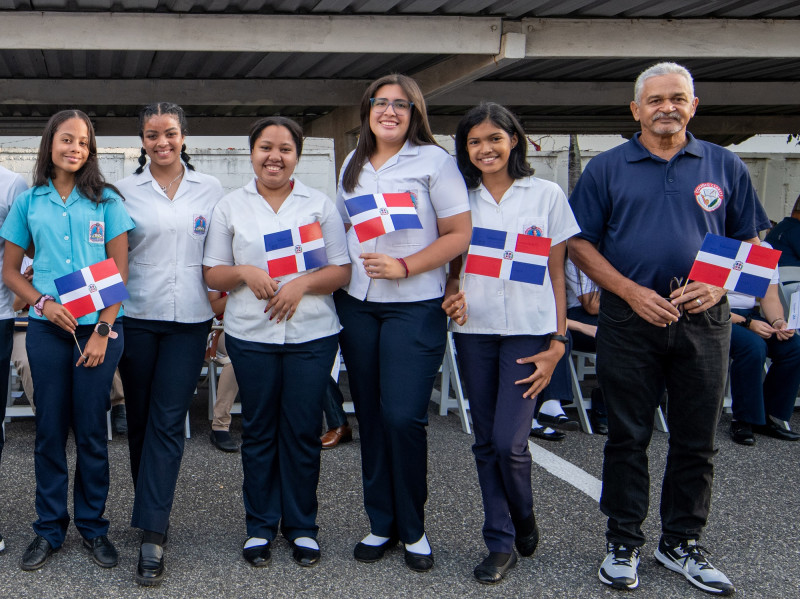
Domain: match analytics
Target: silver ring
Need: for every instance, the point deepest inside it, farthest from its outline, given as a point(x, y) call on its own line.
point(699, 301)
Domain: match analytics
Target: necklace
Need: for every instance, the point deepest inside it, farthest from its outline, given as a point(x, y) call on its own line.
point(166, 187)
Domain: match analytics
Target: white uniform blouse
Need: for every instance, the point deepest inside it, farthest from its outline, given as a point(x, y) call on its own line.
point(236, 236)
point(165, 279)
point(578, 284)
point(432, 176)
point(534, 207)
point(11, 185)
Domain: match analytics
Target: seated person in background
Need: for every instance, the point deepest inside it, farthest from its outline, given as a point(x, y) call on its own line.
point(785, 236)
point(758, 406)
point(339, 430)
point(227, 387)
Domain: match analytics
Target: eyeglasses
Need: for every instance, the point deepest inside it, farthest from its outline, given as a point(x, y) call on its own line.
point(675, 284)
point(379, 105)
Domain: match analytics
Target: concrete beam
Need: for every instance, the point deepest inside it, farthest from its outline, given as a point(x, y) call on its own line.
point(612, 93)
point(250, 33)
point(661, 38)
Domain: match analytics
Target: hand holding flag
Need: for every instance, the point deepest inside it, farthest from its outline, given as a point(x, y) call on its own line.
point(734, 265)
point(377, 214)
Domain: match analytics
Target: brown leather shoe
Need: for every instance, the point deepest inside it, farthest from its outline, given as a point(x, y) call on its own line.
point(340, 434)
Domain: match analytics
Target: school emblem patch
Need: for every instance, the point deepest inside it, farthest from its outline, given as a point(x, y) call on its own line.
point(709, 196)
point(199, 225)
point(534, 231)
point(97, 232)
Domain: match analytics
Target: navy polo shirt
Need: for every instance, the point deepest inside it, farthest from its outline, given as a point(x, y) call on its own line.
point(648, 216)
point(786, 238)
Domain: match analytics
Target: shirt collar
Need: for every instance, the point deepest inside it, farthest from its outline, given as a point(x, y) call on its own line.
point(484, 193)
point(299, 189)
point(635, 151)
point(50, 191)
point(147, 177)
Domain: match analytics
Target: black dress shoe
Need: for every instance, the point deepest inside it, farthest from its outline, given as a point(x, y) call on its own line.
point(150, 569)
point(372, 553)
point(419, 562)
point(305, 556)
point(561, 422)
point(223, 441)
point(494, 567)
point(539, 433)
point(257, 556)
point(770, 429)
point(526, 544)
point(742, 433)
point(103, 551)
point(36, 554)
point(599, 423)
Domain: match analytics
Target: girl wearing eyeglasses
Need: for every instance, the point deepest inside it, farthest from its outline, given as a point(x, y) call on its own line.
point(394, 332)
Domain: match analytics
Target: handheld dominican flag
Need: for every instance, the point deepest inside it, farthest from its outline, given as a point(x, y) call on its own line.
point(735, 265)
point(92, 288)
point(503, 255)
point(377, 214)
point(295, 250)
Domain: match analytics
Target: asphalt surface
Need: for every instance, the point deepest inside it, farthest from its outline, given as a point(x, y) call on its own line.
point(754, 533)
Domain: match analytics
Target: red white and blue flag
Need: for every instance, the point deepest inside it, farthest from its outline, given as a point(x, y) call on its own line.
point(504, 255)
point(377, 214)
point(295, 250)
point(92, 288)
point(735, 265)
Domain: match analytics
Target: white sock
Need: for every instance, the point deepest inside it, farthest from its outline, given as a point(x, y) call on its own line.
point(546, 430)
point(307, 542)
point(374, 540)
point(421, 547)
point(535, 424)
point(552, 407)
point(255, 542)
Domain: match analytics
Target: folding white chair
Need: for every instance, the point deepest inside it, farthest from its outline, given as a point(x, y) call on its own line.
point(450, 375)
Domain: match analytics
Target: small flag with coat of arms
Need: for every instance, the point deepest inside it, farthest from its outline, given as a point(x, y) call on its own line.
point(92, 288)
point(380, 213)
point(295, 250)
point(734, 265)
point(504, 255)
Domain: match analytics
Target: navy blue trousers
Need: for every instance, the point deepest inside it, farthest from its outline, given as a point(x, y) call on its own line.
point(754, 400)
point(333, 406)
point(159, 369)
point(70, 397)
point(501, 418)
point(635, 361)
point(281, 387)
point(393, 352)
point(6, 344)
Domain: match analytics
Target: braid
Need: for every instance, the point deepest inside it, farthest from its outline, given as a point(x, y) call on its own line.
point(185, 157)
point(142, 162)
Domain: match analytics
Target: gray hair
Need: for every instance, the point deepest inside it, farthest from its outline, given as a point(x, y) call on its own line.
point(662, 68)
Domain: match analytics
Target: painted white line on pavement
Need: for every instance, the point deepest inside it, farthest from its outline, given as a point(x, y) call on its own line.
point(566, 471)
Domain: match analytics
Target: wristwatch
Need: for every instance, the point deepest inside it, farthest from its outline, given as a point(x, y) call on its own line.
point(562, 338)
point(104, 330)
point(38, 306)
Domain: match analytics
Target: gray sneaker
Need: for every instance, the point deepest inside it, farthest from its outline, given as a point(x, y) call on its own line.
point(619, 568)
point(687, 558)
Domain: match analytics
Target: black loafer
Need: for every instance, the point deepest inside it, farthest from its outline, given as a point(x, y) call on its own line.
point(369, 554)
point(419, 562)
point(150, 569)
point(539, 433)
point(223, 441)
point(526, 544)
point(305, 556)
point(561, 422)
point(257, 556)
point(770, 429)
point(494, 567)
point(742, 433)
point(36, 554)
point(103, 551)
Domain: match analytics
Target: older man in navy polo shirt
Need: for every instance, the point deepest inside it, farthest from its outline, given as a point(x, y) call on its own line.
point(644, 208)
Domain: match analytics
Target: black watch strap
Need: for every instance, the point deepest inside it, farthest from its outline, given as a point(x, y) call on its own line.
point(562, 338)
point(746, 322)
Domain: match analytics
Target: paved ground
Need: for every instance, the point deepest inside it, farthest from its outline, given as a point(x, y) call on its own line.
point(754, 531)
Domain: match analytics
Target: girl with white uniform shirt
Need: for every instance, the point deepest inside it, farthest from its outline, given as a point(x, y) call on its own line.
point(281, 337)
point(513, 334)
point(394, 330)
point(167, 320)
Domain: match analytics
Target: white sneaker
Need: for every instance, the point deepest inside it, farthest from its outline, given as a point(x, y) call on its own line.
point(687, 558)
point(619, 568)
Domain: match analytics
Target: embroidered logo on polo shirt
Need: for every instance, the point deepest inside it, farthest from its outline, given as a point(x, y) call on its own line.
point(534, 231)
point(97, 232)
point(199, 225)
point(709, 196)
